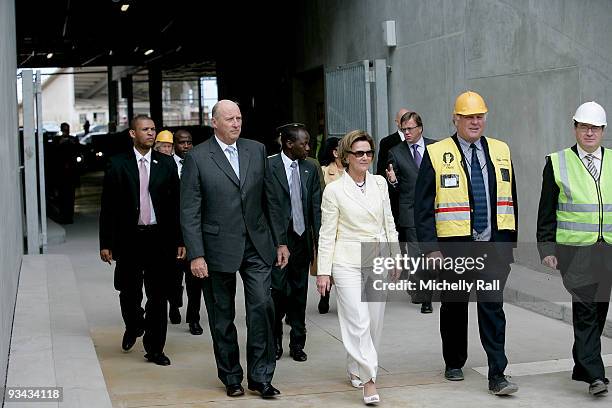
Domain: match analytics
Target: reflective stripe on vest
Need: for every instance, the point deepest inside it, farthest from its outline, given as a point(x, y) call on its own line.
point(584, 208)
point(452, 206)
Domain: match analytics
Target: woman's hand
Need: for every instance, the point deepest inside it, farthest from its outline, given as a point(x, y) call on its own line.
point(323, 284)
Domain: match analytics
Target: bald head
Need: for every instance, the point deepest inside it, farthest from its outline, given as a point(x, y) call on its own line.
point(398, 117)
point(227, 121)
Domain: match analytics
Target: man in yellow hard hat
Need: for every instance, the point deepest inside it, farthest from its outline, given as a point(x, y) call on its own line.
point(164, 142)
point(575, 234)
point(466, 221)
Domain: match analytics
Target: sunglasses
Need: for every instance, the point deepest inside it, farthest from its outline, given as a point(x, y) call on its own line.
point(359, 153)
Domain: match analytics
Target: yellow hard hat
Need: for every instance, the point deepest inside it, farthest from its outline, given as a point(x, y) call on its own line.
point(165, 136)
point(469, 103)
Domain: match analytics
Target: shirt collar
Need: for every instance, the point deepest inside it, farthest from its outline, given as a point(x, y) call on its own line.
point(465, 145)
point(286, 160)
point(401, 135)
point(582, 153)
point(140, 156)
point(225, 146)
point(420, 143)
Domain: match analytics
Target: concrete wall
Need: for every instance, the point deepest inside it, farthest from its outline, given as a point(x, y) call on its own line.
point(58, 101)
point(11, 237)
point(534, 61)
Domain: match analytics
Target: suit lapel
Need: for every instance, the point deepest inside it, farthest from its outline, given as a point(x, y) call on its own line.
point(217, 155)
point(408, 154)
point(362, 199)
point(304, 176)
point(244, 159)
point(133, 176)
point(278, 169)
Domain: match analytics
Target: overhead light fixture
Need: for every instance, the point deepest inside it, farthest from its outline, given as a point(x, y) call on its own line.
point(110, 52)
point(50, 55)
point(148, 52)
point(125, 7)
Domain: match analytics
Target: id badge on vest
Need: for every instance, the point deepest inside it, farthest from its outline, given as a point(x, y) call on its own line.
point(449, 180)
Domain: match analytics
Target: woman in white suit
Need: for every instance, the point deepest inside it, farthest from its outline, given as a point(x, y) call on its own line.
point(355, 209)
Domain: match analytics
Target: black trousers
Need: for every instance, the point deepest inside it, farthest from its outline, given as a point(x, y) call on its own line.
point(588, 279)
point(175, 288)
point(490, 307)
point(142, 267)
point(219, 295)
point(290, 291)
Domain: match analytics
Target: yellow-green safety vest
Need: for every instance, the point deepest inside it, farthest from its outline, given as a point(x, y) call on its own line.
point(452, 202)
point(584, 208)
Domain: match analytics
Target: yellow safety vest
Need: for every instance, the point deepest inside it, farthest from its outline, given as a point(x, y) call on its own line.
point(584, 208)
point(452, 203)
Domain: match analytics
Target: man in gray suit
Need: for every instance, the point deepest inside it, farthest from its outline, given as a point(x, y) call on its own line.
point(226, 229)
point(402, 171)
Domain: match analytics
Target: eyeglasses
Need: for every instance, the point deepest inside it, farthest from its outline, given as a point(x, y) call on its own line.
point(359, 153)
point(408, 129)
point(583, 127)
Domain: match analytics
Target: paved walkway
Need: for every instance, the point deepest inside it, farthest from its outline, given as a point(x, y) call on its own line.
point(410, 355)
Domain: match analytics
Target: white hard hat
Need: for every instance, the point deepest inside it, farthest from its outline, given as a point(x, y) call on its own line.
point(591, 113)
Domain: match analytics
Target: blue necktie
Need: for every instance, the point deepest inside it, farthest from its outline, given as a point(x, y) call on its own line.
point(479, 193)
point(417, 156)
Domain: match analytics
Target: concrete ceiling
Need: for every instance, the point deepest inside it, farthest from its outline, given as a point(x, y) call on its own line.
point(187, 37)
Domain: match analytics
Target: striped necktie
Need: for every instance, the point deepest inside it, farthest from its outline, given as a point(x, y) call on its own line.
point(591, 165)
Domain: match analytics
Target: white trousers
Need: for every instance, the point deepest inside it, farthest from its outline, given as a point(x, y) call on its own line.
point(361, 322)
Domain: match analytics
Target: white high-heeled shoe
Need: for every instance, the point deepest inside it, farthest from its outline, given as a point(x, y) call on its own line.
point(355, 382)
point(372, 399)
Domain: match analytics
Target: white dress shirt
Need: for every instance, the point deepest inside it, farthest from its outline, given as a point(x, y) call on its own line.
point(402, 136)
point(597, 161)
point(179, 165)
point(421, 148)
point(225, 146)
point(287, 162)
point(147, 158)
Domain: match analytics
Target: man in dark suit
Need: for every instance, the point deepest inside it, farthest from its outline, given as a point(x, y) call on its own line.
point(466, 208)
point(576, 239)
point(139, 228)
point(404, 162)
point(386, 144)
point(297, 188)
point(226, 229)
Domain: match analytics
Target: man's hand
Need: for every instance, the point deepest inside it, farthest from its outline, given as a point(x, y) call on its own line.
point(391, 174)
point(323, 284)
point(106, 255)
point(199, 269)
point(181, 252)
point(282, 256)
point(550, 261)
point(434, 256)
point(394, 274)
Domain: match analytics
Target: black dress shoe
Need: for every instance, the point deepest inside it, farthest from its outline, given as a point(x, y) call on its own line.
point(158, 358)
point(175, 315)
point(426, 307)
point(266, 390)
point(279, 349)
point(298, 354)
point(324, 304)
point(195, 328)
point(129, 339)
point(234, 390)
point(453, 374)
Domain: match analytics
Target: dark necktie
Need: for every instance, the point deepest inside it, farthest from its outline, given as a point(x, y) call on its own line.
point(479, 193)
point(417, 156)
point(181, 161)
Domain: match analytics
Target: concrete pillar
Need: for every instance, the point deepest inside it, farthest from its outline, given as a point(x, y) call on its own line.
point(127, 91)
point(155, 95)
point(113, 96)
point(11, 213)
